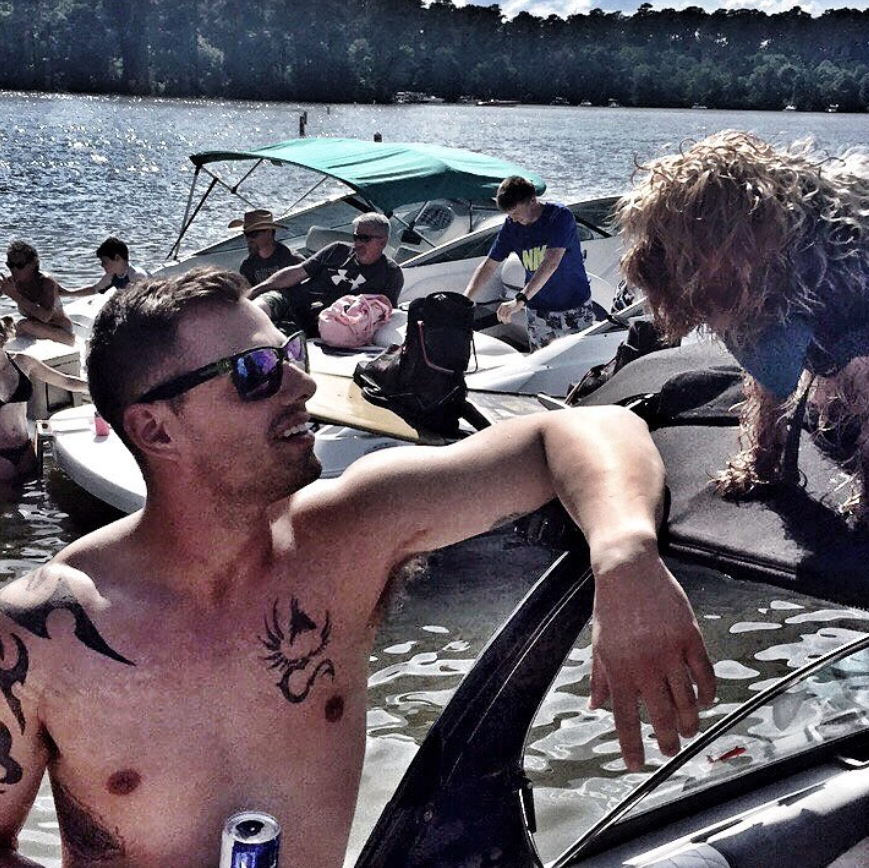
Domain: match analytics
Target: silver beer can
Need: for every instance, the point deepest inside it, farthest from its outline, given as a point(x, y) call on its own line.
point(251, 839)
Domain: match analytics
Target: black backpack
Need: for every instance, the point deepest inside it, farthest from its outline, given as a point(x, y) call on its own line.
point(423, 379)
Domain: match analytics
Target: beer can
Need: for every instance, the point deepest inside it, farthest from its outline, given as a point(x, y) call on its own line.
point(251, 839)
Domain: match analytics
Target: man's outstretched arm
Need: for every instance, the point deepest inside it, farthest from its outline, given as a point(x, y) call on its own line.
point(603, 466)
point(287, 277)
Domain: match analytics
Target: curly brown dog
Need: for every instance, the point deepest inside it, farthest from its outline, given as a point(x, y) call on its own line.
point(768, 248)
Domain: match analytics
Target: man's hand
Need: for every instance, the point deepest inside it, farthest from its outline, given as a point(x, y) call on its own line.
point(508, 310)
point(647, 649)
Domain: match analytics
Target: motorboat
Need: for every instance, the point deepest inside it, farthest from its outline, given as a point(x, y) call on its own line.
point(440, 202)
point(778, 780)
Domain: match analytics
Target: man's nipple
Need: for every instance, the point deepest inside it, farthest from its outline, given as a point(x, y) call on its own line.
point(123, 783)
point(335, 708)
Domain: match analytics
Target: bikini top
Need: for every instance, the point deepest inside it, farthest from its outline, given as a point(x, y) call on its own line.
point(23, 390)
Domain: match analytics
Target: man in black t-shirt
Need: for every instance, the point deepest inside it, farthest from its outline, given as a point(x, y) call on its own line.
point(295, 296)
point(266, 254)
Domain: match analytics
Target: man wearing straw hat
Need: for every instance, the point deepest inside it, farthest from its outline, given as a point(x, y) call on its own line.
point(267, 255)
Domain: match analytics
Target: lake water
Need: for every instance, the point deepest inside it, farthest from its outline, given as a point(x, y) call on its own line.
point(74, 169)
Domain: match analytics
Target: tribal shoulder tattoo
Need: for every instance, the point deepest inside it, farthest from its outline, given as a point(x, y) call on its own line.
point(34, 618)
point(15, 659)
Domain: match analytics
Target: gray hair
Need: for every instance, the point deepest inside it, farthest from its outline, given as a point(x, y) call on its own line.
point(373, 219)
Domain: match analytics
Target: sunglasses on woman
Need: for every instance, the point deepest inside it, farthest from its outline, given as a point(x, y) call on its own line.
point(256, 374)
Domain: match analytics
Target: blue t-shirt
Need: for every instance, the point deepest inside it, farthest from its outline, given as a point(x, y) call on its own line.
point(567, 287)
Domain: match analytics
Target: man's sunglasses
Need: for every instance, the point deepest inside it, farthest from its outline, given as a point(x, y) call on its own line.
point(256, 373)
point(10, 264)
point(364, 238)
point(253, 233)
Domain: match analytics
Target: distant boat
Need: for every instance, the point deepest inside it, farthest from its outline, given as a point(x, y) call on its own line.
point(560, 100)
point(413, 97)
point(833, 107)
point(498, 103)
point(789, 108)
point(613, 103)
point(697, 105)
point(585, 103)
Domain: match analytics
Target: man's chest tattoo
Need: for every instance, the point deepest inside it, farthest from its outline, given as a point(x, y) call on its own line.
point(296, 649)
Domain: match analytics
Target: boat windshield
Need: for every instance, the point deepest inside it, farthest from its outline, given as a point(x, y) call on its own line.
point(757, 634)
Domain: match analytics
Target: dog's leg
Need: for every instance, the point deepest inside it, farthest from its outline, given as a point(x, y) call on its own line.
point(763, 433)
point(843, 407)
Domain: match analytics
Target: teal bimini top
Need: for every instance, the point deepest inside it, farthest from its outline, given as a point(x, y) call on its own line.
point(389, 174)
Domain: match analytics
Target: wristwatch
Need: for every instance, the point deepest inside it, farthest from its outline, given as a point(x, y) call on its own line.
point(520, 296)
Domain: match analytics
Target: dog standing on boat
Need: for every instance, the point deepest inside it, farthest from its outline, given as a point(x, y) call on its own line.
point(768, 248)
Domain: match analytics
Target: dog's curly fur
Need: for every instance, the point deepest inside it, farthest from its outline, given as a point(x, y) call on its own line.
point(732, 235)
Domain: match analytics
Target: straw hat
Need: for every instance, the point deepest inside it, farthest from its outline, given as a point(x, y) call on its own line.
point(256, 220)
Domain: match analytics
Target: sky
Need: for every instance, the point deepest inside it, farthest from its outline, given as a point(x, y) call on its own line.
point(563, 8)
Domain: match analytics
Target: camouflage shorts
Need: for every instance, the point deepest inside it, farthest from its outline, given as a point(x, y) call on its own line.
point(544, 328)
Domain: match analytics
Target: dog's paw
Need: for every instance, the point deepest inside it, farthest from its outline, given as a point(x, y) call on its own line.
point(739, 479)
point(856, 506)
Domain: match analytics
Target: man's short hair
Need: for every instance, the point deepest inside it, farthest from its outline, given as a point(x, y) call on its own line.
point(514, 191)
point(112, 247)
point(135, 333)
point(373, 220)
point(18, 250)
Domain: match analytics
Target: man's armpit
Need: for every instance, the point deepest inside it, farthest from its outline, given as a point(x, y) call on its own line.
point(85, 833)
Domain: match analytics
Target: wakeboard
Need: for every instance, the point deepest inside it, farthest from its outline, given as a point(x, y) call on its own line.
point(339, 401)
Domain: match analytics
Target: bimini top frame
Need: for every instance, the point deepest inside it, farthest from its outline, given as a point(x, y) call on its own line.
point(384, 175)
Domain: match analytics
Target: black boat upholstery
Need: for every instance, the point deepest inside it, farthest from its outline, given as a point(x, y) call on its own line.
point(808, 830)
point(797, 535)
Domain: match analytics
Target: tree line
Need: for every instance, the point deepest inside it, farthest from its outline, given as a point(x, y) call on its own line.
point(367, 50)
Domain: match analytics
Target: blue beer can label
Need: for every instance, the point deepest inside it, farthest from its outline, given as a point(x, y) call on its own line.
point(251, 839)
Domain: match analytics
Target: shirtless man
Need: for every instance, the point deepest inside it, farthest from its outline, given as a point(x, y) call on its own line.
point(209, 654)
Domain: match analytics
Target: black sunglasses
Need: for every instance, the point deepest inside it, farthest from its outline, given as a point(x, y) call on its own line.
point(364, 238)
point(256, 373)
point(11, 264)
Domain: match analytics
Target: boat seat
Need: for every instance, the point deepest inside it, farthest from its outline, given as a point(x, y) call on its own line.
point(437, 217)
point(319, 236)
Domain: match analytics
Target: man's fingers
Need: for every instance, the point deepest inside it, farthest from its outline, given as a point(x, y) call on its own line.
point(662, 714)
point(627, 719)
point(599, 691)
point(702, 672)
point(685, 700)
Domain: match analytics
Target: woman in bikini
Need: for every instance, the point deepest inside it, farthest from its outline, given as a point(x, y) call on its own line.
point(17, 451)
point(37, 296)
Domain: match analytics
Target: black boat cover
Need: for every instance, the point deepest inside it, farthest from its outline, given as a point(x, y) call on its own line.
point(795, 533)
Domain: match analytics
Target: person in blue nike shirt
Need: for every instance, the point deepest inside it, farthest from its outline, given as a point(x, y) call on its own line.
point(556, 297)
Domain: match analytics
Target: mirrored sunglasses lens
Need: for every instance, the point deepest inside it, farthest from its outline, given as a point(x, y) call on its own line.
point(296, 351)
point(257, 374)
